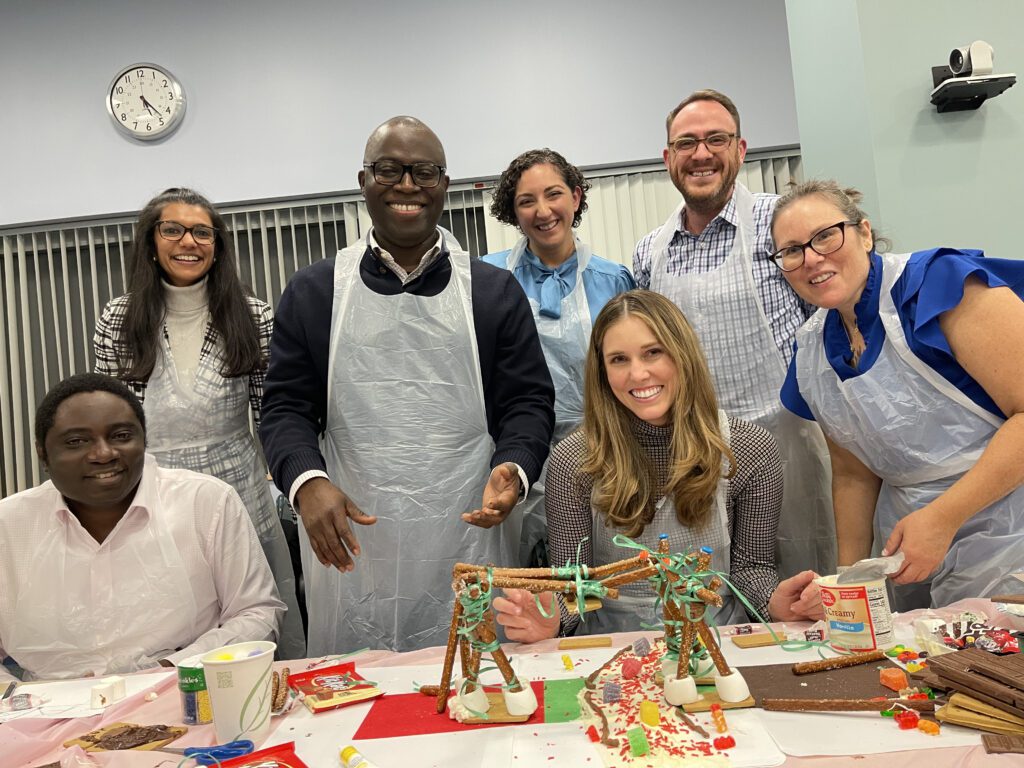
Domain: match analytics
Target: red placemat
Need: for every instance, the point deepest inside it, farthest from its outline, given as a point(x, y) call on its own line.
point(413, 714)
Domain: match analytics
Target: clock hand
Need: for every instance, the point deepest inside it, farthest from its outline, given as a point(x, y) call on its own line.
point(148, 106)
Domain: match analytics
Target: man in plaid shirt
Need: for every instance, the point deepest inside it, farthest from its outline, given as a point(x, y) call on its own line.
point(711, 257)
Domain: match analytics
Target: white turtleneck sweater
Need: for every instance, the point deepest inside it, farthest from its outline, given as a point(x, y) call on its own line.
point(187, 317)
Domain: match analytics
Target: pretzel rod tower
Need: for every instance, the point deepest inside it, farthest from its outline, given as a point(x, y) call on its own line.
point(684, 597)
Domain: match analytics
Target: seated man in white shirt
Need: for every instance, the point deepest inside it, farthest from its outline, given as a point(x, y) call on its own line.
point(114, 564)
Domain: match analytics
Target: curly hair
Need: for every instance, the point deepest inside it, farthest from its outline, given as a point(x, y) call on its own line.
point(503, 199)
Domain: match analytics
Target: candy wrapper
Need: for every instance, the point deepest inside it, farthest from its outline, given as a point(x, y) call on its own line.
point(967, 630)
point(332, 687)
point(21, 702)
point(280, 756)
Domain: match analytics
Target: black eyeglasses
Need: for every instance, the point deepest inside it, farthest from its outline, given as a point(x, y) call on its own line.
point(172, 230)
point(715, 142)
point(829, 240)
point(389, 173)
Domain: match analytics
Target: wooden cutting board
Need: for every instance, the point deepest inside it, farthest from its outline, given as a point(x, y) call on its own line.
point(89, 741)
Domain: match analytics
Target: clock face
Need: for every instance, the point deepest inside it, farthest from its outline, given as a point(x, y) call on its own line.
point(146, 101)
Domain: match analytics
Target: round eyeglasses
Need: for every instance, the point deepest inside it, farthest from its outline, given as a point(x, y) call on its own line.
point(390, 172)
point(715, 142)
point(172, 230)
point(829, 240)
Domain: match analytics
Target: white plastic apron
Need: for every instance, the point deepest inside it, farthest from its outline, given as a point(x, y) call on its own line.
point(564, 341)
point(636, 602)
point(919, 434)
point(407, 440)
point(83, 605)
point(724, 308)
point(205, 428)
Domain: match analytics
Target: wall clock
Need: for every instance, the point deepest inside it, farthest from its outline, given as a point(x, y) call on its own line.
point(146, 101)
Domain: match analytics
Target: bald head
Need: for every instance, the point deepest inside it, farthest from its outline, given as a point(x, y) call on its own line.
point(406, 126)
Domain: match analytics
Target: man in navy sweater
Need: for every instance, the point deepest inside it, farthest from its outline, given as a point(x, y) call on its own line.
point(407, 393)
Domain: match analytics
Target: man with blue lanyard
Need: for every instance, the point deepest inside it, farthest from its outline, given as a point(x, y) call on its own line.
point(407, 393)
point(711, 258)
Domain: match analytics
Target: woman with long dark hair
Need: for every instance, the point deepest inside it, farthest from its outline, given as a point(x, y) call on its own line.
point(193, 345)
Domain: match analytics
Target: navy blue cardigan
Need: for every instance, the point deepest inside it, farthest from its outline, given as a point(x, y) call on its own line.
point(518, 393)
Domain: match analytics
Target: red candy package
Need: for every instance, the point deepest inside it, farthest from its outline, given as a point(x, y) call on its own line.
point(281, 756)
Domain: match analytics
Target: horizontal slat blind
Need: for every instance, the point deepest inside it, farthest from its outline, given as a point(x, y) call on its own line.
point(56, 279)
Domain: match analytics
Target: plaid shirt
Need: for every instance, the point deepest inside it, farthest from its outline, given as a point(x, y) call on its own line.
point(690, 253)
point(109, 349)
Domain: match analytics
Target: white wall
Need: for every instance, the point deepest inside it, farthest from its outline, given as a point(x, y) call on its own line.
point(862, 72)
point(281, 95)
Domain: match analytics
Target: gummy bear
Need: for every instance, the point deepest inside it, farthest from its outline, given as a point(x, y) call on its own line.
point(927, 726)
point(907, 719)
point(724, 742)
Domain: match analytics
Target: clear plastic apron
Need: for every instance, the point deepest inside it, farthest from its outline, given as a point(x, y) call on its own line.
point(205, 428)
point(636, 603)
point(564, 341)
point(919, 434)
point(407, 440)
point(724, 308)
point(74, 607)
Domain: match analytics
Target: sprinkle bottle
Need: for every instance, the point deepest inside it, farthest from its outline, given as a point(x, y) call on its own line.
point(351, 758)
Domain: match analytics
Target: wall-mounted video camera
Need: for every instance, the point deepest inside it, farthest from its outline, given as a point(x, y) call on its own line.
point(967, 82)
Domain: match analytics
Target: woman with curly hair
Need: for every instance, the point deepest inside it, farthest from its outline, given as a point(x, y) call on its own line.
point(193, 345)
point(544, 196)
point(657, 456)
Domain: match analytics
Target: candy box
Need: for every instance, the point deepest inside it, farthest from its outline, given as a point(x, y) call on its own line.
point(332, 687)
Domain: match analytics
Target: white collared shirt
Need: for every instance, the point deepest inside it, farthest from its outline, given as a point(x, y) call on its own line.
point(211, 556)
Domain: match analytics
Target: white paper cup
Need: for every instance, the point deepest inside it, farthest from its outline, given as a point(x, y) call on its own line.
point(240, 690)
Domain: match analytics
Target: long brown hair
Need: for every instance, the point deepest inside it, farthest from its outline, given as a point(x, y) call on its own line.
point(230, 315)
point(624, 479)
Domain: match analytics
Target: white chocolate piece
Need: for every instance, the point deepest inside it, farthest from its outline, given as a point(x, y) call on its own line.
point(117, 687)
point(522, 702)
point(151, 696)
point(680, 690)
point(101, 695)
point(732, 687)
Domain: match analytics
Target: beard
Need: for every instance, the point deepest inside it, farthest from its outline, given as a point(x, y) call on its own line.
point(704, 199)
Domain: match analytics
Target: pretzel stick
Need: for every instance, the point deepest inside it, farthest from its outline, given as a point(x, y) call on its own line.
point(839, 662)
point(845, 705)
point(629, 578)
point(693, 726)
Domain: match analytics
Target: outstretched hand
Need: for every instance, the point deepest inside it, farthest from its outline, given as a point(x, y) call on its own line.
point(797, 598)
point(325, 511)
point(517, 612)
point(924, 538)
point(500, 495)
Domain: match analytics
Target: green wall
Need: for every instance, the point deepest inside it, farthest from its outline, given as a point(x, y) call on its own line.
point(862, 76)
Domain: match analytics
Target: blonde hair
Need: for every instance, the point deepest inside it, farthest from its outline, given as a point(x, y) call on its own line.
point(624, 480)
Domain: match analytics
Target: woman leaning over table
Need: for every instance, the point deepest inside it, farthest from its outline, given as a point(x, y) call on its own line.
point(193, 345)
point(914, 368)
point(545, 196)
point(656, 455)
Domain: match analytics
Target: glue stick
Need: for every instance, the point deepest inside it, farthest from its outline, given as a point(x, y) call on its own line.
point(350, 758)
